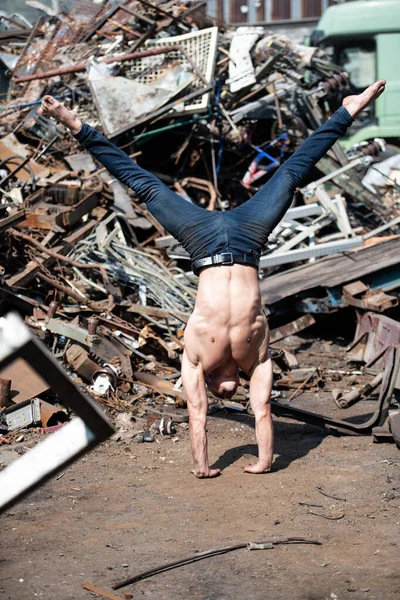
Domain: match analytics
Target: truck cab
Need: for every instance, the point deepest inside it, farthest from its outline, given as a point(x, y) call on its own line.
point(363, 36)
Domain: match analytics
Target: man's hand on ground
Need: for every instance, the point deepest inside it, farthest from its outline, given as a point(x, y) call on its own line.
point(355, 104)
point(206, 473)
point(257, 469)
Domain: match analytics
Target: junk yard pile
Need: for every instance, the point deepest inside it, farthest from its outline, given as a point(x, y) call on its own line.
point(212, 112)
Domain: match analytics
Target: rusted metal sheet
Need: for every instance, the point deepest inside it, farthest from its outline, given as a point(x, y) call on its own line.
point(161, 313)
point(332, 271)
point(26, 382)
point(11, 220)
point(375, 300)
point(10, 148)
point(99, 592)
point(80, 362)
point(44, 215)
point(374, 336)
point(51, 415)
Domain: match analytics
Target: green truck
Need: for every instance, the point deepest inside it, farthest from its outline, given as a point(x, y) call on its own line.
point(363, 36)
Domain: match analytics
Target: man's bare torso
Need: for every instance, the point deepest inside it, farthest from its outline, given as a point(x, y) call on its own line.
point(227, 322)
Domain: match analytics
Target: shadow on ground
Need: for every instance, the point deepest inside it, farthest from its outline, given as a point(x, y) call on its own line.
point(292, 441)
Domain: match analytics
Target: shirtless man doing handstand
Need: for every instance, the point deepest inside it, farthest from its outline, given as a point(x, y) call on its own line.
point(227, 329)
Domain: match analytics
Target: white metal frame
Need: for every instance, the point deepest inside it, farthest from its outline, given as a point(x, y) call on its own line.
point(200, 46)
point(61, 448)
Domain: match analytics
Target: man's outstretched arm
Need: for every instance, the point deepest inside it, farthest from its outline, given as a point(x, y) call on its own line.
point(197, 403)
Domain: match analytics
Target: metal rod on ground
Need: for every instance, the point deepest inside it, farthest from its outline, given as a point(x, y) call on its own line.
point(81, 299)
point(208, 553)
point(12, 173)
point(49, 145)
point(301, 387)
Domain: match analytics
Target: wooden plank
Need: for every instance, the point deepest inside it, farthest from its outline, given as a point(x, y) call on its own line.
point(96, 590)
point(331, 271)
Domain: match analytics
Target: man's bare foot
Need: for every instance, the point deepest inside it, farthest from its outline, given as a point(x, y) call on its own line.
point(53, 108)
point(355, 104)
point(207, 473)
point(257, 468)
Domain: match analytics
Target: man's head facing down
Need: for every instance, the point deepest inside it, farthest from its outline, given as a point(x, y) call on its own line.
point(223, 382)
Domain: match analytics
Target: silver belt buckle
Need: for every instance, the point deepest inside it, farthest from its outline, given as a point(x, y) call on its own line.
point(227, 258)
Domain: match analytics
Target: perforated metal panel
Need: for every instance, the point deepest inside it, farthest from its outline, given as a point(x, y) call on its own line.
point(201, 47)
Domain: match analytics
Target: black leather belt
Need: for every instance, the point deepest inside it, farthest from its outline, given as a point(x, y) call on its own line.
point(225, 258)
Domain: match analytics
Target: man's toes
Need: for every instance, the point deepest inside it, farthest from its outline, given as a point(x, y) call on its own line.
point(377, 88)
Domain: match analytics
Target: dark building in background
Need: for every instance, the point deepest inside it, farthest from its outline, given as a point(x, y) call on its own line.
point(269, 11)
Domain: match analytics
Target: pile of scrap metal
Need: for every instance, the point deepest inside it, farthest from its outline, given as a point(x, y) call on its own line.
point(213, 112)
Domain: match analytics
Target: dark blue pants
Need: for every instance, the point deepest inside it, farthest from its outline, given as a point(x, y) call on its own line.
point(246, 228)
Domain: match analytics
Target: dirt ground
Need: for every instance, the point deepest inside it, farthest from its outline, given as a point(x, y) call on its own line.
point(125, 508)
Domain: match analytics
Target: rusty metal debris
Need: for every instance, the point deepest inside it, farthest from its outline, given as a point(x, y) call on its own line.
point(213, 111)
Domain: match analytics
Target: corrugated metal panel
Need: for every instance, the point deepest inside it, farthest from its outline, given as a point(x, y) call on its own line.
point(311, 8)
point(237, 16)
point(281, 9)
point(260, 11)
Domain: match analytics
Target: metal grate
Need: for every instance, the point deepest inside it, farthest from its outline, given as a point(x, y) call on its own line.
point(200, 46)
